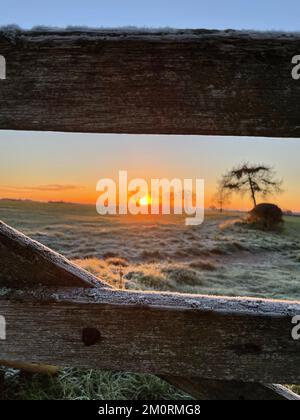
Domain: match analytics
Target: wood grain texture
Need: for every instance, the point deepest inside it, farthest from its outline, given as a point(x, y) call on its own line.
point(167, 334)
point(211, 390)
point(27, 263)
point(177, 82)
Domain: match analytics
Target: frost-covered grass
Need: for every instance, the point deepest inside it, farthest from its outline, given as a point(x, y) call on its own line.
point(222, 257)
point(235, 260)
point(75, 384)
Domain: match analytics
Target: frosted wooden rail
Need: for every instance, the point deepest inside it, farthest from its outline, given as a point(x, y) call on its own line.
point(173, 82)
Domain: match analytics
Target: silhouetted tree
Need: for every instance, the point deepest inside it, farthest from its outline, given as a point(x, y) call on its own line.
point(221, 196)
point(253, 179)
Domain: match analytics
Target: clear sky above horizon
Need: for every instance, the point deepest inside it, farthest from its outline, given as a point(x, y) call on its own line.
point(57, 166)
point(216, 14)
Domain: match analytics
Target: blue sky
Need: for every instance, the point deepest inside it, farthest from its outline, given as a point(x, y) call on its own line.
point(237, 14)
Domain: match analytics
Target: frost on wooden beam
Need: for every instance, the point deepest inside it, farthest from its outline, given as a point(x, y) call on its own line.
point(172, 82)
point(164, 334)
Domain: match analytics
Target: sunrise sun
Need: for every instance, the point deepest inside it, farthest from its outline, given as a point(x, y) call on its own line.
point(145, 201)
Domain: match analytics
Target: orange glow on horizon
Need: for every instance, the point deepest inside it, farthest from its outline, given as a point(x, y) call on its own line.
point(87, 195)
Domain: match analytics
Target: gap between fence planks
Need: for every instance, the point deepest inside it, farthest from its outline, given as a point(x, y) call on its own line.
point(164, 334)
point(155, 82)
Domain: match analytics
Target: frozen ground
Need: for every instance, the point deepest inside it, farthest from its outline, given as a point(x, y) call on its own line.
point(222, 256)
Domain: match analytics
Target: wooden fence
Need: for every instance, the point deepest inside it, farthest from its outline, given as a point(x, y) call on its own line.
point(173, 82)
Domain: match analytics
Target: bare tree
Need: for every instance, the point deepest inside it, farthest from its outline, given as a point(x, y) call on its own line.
point(253, 179)
point(221, 196)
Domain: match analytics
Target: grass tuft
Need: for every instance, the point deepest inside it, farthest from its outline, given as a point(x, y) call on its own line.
point(76, 384)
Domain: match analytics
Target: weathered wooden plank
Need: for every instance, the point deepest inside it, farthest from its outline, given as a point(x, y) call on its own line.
point(167, 334)
point(27, 263)
point(176, 82)
point(204, 389)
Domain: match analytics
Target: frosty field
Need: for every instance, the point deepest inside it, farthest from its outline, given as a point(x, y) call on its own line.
point(221, 257)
